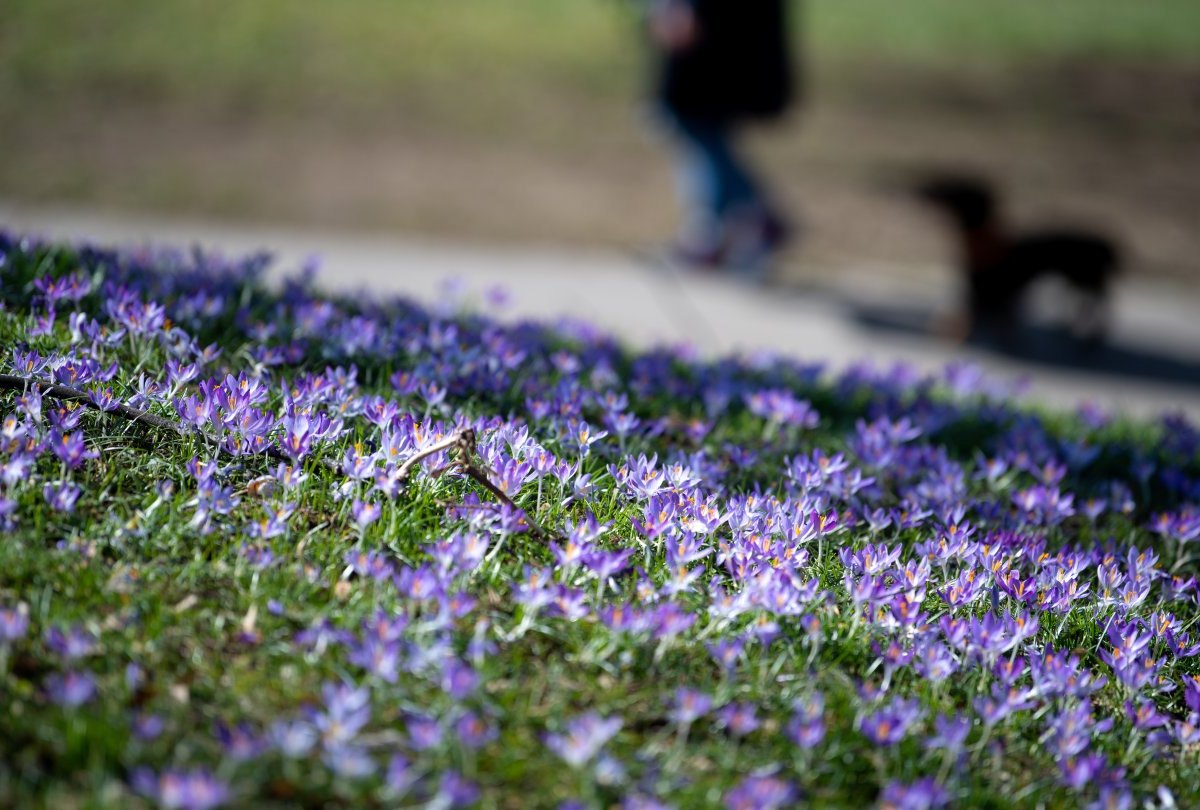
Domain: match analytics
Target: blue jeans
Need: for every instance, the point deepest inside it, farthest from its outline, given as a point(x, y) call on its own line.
point(714, 180)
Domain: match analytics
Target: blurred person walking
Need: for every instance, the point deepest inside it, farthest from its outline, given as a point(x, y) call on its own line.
point(722, 64)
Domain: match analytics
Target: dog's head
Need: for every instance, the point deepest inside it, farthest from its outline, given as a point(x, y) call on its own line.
point(969, 201)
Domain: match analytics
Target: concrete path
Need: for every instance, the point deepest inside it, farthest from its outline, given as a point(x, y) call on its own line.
point(1151, 366)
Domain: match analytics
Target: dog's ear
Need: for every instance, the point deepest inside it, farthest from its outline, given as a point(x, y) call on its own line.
point(933, 191)
point(969, 199)
point(913, 182)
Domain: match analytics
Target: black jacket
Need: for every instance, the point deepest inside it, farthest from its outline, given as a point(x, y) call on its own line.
point(739, 67)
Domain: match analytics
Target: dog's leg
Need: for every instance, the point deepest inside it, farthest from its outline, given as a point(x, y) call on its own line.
point(1092, 316)
point(952, 326)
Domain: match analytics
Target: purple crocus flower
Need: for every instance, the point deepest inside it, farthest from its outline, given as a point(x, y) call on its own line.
point(473, 731)
point(949, 733)
point(259, 556)
point(365, 513)
point(459, 680)
point(1072, 729)
point(193, 410)
point(1145, 715)
point(726, 653)
point(71, 689)
point(65, 417)
point(297, 437)
point(43, 323)
point(424, 732)
point(240, 742)
point(609, 771)
point(74, 642)
point(349, 761)
point(455, 791)
point(292, 738)
point(372, 564)
point(422, 584)
point(135, 676)
point(1119, 797)
point(14, 623)
point(8, 509)
point(888, 725)
point(274, 523)
point(14, 469)
point(400, 776)
point(924, 794)
point(761, 793)
point(381, 659)
point(585, 736)
point(1078, 772)
point(103, 398)
point(569, 554)
point(320, 635)
point(607, 564)
point(61, 496)
point(1187, 731)
point(147, 727)
point(782, 407)
point(1061, 673)
point(806, 728)
point(346, 711)
point(669, 619)
point(688, 706)
point(181, 790)
point(739, 719)
point(70, 448)
point(1191, 692)
point(1001, 703)
point(934, 662)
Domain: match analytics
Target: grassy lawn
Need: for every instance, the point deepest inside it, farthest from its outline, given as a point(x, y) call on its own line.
point(520, 121)
point(945, 33)
point(630, 579)
point(407, 56)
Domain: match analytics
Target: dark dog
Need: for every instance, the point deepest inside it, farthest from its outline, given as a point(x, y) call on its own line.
point(1000, 266)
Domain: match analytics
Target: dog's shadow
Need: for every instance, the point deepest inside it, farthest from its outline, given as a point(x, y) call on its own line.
point(1043, 344)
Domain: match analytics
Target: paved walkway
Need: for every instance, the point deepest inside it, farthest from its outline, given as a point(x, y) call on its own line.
point(1152, 364)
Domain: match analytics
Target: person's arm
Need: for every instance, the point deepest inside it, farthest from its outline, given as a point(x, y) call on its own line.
point(673, 24)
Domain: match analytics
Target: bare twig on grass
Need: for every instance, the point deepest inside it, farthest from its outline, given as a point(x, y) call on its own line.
point(461, 442)
point(452, 441)
point(66, 393)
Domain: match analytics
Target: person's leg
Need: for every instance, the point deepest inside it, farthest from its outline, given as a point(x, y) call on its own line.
point(737, 189)
point(727, 215)
point(701, 189)
point(752, 228)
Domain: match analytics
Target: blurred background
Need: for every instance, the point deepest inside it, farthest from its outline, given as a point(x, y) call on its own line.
point(524, 121)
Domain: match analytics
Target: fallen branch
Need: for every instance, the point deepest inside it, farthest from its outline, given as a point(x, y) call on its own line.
point(454, 440)
point(68, 394)
point(65, 393)
point(461, 442)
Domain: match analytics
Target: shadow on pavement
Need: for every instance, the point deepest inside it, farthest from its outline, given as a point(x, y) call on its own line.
point(1046, 345)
